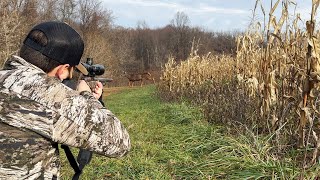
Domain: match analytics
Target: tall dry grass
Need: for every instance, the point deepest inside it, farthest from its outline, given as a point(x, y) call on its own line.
point(272, 85)
point(212, 82)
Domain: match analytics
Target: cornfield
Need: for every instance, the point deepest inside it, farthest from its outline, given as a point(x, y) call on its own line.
point(271, 85)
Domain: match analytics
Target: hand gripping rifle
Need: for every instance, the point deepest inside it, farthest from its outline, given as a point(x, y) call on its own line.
point(84, 156)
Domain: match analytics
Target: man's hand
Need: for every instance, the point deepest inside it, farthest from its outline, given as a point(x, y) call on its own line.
point(94, 86)
point(97, 91)
point(83, 86)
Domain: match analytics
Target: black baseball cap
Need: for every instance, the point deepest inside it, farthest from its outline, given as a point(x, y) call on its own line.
point(64, 44)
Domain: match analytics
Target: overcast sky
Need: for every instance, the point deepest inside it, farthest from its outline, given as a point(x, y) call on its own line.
point(215, 15)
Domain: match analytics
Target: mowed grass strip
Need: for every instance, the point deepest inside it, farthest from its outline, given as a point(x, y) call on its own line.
point(172, 141)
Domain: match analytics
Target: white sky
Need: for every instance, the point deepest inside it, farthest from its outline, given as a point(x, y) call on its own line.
point(215, 15)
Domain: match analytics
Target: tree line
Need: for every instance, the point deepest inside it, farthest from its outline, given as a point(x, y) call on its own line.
point(120, 49)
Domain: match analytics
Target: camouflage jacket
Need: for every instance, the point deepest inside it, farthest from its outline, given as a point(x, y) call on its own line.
point(38, 111)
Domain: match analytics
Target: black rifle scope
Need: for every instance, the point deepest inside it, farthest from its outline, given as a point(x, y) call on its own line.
point(93, 69)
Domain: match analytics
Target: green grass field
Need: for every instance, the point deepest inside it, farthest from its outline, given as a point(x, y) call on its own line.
point(172, 141)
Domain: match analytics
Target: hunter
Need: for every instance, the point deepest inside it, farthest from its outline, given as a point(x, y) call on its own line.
point(38, 112)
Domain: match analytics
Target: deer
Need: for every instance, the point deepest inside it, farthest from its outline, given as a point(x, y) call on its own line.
point(132, 77)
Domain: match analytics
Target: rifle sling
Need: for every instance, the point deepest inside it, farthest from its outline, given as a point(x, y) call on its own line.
point(71, 159)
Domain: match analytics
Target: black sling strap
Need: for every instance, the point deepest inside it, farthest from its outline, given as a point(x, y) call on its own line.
point(84, 157)
point(71, 159)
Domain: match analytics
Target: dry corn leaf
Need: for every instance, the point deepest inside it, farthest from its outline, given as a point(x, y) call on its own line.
point(315, 4)
point(314, 134)
point(273, 22)
point(274, 7)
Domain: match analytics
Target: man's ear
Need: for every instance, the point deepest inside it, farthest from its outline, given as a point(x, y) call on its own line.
point(61, 69)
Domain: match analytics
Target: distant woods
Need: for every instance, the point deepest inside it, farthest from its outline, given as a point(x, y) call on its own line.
point(120, 49)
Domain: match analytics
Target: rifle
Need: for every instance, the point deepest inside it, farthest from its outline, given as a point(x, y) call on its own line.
point(84, 156)
point(104, 81)
point(93, 71)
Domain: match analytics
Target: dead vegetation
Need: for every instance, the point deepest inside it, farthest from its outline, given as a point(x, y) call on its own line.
point(272, 85)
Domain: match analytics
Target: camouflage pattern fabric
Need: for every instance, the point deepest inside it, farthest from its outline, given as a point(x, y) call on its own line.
point(38, 111)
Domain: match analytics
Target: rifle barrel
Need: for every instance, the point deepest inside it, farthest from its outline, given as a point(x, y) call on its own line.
point(103, 79)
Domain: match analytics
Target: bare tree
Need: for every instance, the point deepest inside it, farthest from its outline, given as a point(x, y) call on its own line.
point(95, 24)
point(182, 41)
point(180, 21)
point(66, 10)
point(92, 16)
point(120, 40)
point(12, 28)
point(47, 10)
point(29, 11)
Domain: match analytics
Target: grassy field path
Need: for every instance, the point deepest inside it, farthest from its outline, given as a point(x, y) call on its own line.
point(172, 141)
point(155, 129)
point(160, 133)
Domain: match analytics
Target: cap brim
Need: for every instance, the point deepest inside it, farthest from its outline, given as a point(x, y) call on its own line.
point(82, 69)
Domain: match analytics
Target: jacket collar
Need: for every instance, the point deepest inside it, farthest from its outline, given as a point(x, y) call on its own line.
point(16, 62)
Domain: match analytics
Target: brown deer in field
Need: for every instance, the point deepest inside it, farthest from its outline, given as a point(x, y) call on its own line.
point(132, 77)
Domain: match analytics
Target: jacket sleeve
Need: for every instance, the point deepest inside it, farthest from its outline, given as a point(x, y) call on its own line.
point(86, 124)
